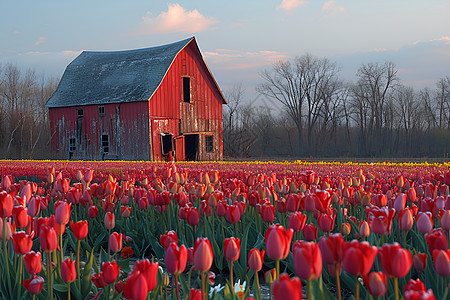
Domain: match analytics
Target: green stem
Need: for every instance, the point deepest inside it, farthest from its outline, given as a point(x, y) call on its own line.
point(61, 245)
point(68, 290)
point(338, 281)
point(177, 287)
point(277, 266)
point(109, 246)
point(309, 292)
point(231, 273)
point(357, 289)
point(446, 293)
point(78, 264)
point(203, 284)
point(396, 287)
point(20, 276)
point(5, 253)
point(49, 275)
point(258, 292)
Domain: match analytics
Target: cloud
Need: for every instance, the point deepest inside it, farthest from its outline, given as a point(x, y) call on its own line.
point(16, 32)
point(40, 40)
point(419, 64)
point(331, 6)
point(226, 59)
point(291, 4)
point(175, 19)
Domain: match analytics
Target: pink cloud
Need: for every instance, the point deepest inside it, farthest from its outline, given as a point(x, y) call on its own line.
point(291, 4)
point(175, 19)
point(332, 7)
point(40, 40)
point(226, 59)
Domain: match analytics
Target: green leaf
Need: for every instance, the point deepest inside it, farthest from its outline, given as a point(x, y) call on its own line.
point(124, 265)
point(86, 275)
point(100, 238)
point(60, 287)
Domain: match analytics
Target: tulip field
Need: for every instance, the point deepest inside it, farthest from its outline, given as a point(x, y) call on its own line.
point(224, 230)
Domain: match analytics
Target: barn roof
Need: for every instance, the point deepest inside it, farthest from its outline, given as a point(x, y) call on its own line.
point(115, 77)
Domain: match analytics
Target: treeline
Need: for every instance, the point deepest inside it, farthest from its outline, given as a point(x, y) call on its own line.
point(24, 124)
point(375, 116)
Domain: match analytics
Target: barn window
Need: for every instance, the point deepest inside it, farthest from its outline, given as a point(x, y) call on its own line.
point(209, 142)
point(72, 144)
point(101, 110)
point(105, 143)
point(80, 113)
point(187, 89)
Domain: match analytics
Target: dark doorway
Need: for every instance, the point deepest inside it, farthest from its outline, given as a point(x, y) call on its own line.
point(191, 147)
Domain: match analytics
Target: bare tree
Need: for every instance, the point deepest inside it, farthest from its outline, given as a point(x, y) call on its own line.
point(302, 86)
point(371, 95)
point(24, 119)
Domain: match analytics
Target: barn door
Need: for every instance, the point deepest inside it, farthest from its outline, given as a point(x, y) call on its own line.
point(179, 148)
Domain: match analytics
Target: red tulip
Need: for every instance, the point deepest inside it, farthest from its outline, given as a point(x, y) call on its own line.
point(149, 270)
point(20, 216)
point(22, 242)
point(232, 248)
point(287, 288)
point(115, 241)
point(395, 261)
point(6, 204)
point(307, 260)
point(193, 217)
point(297, 221)
point(110, 272)
point(80, 229)
point(34, 285)
point(441, 259)
point(436, 240)
point(34, 206)
point(358, 257)
point(278, 241)
point(32, 262)
point(195, 294)
point(310, 232)
point(424, 222)
point(380, 219)
point(205, 208)
point(98, 280)
point(405, 219)
point(267, 212)
point(92, 212)
point(420, 261)
point(110, 220)
point(62, 212)
point(59, 228)
point(168, 238)
point(232, 213)
point(203, 254)
point(415, 290)
point(48, 239)
point(376, 283)
point(176, 258)
point(332, 248)
point(326, 221)
point(9, 229)
point(364, 229)
point(68, 271)
point(256, 259)
point(125, 211)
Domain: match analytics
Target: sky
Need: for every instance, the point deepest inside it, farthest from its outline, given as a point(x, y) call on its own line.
point(238, 39)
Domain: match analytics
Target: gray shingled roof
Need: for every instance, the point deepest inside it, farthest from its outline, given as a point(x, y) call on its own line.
point(114, 77)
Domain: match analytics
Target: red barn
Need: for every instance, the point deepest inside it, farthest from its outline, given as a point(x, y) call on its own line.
point(138, 105)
